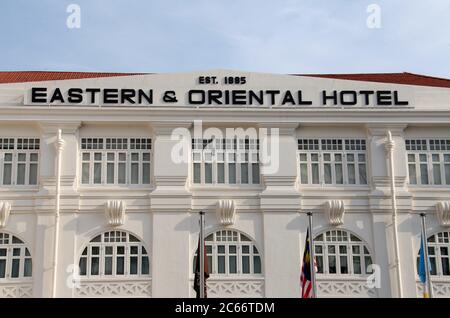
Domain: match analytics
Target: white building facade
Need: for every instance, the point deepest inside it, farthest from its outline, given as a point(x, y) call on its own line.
point(116, 167)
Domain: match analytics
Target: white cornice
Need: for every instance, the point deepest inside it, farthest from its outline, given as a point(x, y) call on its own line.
point(382, 129)
point(166, 128)
point(67, 127)
point(165, 118)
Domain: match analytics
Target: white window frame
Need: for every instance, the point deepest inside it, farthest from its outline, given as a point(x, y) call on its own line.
point(6, 242)
point(331, 238)
point(441, 240)
point(101, 148)
point(343, 147)
point(222, 237)
point(18, 146)
point(122, 239)
point(422, 151)
point(226, 151)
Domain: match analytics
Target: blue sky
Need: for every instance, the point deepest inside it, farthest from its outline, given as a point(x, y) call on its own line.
point(283, 36)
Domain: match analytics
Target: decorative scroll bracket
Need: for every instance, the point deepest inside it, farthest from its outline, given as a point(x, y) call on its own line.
point(335, 210)
point(443, 212)
point(115, 212)
point(226, 212)
point(5, 209)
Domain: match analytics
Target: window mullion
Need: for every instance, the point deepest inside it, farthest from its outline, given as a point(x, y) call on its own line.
point(140, 167)
point(430, 168)
point(227, 255)
point(418, 172)
point(14, 167)
point(128, 167)
point(350, 268)
point(321, 168)
point(2, 154)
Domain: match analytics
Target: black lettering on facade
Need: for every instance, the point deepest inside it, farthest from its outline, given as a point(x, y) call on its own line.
point(366, 95)
point(196, 97)
point(384, 98)
point(332, 97)
point(348, 98)
point(254, 96)
point(301, 101)
point(57, 96)
point(238, 97)
point(148, 97)
point(110, 96)
point(92, 92)
point(288, 98)
point(272, 94)
point(127, 95)
point(39, 95)
point(214, 96)
point(75, 95)
point(397, 101)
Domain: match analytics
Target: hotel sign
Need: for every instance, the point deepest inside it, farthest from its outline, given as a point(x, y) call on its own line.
point(212, 96)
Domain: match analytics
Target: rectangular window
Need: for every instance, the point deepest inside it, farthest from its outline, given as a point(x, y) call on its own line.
point(332, 161)
point(428, 161)
point(225, 161)
point(220, 173)
point(197, 174)
point(208, 173)
point(19, 159)
point(255, 173)
point(115, 161)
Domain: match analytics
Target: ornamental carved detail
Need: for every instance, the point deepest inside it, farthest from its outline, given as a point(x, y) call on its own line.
point(114, 289)
point(334, 209)
point(440, 289)
point(16, 290)
point(351, 288)
point(115, 212)
point(235, 288)
point(5, 209)
point(226, 212)
point(443, 212)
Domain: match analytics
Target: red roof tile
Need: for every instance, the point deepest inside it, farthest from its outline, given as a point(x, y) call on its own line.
point(395, 78)
point(37, 76)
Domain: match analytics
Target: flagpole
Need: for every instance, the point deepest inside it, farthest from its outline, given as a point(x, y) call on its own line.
point(311, 255)
point(202, 255)
point(425, 253)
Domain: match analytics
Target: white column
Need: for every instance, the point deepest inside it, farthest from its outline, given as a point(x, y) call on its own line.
point(46, 205)
point(59, 144)
point(389, 146)
point(171, 220)
point(282, 224)
point(391, 225)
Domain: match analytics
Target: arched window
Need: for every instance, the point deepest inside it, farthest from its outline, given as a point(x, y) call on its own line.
point(341, 252)
point(114, 254)
point(438, 253)
point(15, 258)
point(231, 253)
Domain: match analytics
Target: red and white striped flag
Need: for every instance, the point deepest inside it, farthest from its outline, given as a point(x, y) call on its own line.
point(305, 277)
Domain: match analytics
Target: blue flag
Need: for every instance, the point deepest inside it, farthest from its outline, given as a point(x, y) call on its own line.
point(422, 270)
